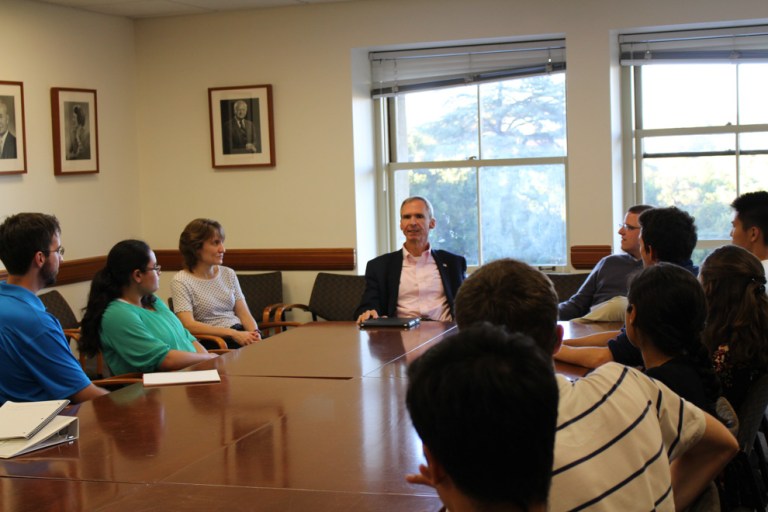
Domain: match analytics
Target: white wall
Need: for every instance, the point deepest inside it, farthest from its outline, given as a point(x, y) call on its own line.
point(53, 47)
point(156, 170)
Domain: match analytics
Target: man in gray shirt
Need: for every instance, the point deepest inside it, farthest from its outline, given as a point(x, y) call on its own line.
point(609, 277)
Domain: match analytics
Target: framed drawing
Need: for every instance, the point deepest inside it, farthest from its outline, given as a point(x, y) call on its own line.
point(13, 147)
point(242, 130)
point(75, 131)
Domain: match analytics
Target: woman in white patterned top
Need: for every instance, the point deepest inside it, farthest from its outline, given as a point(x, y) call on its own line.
point(206, 295)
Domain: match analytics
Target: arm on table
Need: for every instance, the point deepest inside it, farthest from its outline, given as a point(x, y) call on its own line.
point(589, 357)
point(89, 392)
point(599, 339)
point(195, 327)
point(178, 359)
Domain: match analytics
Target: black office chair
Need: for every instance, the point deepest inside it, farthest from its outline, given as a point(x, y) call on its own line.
point(744, 478)
point(261, 292)
point(334, 297)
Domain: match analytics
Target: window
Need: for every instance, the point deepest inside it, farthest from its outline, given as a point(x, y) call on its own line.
point(489, 154)
point(700, 130)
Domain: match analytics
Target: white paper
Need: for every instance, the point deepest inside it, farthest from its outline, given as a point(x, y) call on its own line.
point(162, 378)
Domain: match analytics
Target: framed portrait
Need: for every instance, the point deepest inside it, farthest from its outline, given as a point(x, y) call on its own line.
point(75, 131)
point(13, 147)
point(242, 130)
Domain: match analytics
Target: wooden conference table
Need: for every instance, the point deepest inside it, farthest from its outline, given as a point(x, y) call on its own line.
point(311, 419)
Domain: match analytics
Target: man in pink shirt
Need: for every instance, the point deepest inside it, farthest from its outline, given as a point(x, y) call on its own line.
point(416, 281)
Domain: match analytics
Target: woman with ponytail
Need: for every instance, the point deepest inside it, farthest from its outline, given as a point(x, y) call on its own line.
point(124, 319)
point(665, 319)
point(737, 318)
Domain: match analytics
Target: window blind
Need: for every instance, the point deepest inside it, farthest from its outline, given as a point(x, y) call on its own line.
point(736, 44)
point(394, 72)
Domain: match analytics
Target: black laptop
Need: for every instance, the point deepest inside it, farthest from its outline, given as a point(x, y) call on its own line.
point(397, 322)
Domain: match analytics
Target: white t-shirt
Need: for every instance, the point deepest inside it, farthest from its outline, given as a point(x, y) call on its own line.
point(617, 430)
point(211, 301)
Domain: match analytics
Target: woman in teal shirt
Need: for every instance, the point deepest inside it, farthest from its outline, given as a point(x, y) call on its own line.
point(125, 320)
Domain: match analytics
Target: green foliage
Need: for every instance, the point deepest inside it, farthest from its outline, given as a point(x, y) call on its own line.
point(521, 210)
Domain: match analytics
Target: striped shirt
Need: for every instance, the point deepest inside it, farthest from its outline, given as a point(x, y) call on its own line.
point(617, 430)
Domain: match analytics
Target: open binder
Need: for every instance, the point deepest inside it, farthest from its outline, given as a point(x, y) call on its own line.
point(29, 426)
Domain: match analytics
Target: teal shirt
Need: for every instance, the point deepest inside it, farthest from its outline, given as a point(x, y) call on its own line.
point(135, 339)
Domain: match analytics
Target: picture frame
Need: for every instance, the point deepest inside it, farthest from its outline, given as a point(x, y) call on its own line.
point(75, 131)
point(242, 126)
point(13, 140)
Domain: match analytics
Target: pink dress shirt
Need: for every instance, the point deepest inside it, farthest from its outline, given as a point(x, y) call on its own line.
point(421, 292)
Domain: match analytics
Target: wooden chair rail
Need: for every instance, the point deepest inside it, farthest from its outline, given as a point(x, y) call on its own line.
point(76, 271)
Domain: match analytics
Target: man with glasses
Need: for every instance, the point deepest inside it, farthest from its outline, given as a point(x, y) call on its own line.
point(609, 277)
point(666, 235)
point(35, 360)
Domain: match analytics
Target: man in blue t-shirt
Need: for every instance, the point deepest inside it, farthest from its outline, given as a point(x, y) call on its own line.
point(35, 360)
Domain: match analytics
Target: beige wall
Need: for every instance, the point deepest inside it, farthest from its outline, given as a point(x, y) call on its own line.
point(51, 47)
point(156, 171)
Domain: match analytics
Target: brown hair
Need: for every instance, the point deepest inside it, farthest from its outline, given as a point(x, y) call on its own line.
point(513, 294)
point(737, 307)
point(194, 236)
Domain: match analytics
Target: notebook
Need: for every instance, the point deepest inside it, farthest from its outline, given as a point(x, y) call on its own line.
point(60, 429)
point(402, 323)
point(25, 419)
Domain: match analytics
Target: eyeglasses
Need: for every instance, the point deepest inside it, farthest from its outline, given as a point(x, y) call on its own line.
point(628, 227)
point(59, 249)
point(156, 268)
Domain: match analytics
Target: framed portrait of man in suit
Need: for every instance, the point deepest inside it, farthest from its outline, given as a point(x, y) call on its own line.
point(13, 151)
point(242, 130)
point(75, 131)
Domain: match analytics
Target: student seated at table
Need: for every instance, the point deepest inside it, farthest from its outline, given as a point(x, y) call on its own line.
point(666, 235)
point(736, 333)
point(36, 362)
point(125, 320)
point(665, 318)
point(484, 403)
point(206, 295)
point(624, 441)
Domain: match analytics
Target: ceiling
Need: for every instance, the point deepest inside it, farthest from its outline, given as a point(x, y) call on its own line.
point(157, 8)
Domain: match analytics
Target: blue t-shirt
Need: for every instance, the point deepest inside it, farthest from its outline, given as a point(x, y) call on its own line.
point(35, 360)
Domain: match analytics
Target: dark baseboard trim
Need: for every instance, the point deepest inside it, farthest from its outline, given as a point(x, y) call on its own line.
point(587, 256)
point(78, 271)
point(272, 259)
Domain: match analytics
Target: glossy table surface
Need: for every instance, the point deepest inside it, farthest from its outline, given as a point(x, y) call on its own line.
point(328, 432)
point(324, 437)
point(331, 350)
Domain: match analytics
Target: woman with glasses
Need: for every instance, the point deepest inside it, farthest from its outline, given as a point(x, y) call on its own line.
point(737, 319)
point(125, 320)
point(206, 295)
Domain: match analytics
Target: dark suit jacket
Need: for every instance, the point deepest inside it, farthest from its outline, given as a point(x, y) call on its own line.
point(382, 280)
point(235, 138)
point(9, 149)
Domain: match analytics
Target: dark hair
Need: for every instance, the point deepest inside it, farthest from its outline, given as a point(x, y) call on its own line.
point(510, 293)
point(22, 236)
point(734, 284)
point(639, 208)
point(671, 311)
point(80, 113)
point(752, 210)
point(671, 233)
point(107, 285)
point(484, 402)
point(195, 234)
